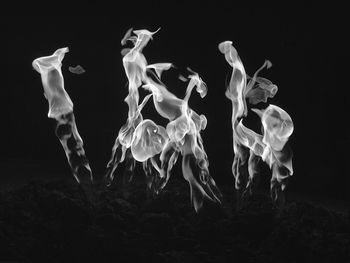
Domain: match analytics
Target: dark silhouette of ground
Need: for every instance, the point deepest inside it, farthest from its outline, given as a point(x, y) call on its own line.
point(53, 222)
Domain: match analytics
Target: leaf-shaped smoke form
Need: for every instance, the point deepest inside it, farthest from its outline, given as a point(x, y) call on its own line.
point(61, 109)
point(248, 146)
point(158, 147)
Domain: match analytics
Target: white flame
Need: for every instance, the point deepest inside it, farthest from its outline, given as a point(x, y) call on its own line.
point(77, 70)
point(61, 109)
point(181, 135)
point(277, 128)
point(148, 140)
point(52, 79)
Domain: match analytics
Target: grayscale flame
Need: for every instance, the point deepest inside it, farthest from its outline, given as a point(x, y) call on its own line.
point(61, 109)
point(156, 146)
point(77, 70)
point(248, 146)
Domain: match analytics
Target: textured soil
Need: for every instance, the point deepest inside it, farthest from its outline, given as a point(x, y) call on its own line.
point(53, 222)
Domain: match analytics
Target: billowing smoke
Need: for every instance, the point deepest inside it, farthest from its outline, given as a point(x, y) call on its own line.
point(248, 146)
point(158, 147)
point(61, 110)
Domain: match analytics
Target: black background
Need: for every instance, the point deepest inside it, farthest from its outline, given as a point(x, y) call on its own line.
point(304, 45)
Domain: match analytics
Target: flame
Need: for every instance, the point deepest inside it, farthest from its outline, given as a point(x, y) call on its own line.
point(249, 146)
point(148, 140)
point(158, 147)
point(125, 136)
point(134, 63)
point(49, 68)
point(77, 70)
point(61, 109)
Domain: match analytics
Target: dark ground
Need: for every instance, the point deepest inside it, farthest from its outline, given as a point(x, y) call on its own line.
point(49, 221)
